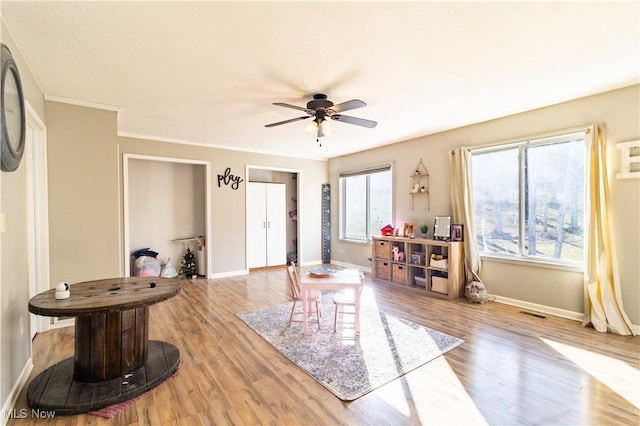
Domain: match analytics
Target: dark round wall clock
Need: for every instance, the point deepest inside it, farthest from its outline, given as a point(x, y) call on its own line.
point(12, 113)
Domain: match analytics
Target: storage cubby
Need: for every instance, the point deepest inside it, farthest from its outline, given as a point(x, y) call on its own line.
point(433, 266)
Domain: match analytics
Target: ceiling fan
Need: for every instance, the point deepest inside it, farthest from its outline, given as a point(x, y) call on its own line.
point(320, 108)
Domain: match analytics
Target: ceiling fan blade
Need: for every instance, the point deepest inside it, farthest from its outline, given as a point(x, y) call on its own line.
point(354, 120)
point(346, 106)
point(287, 121)
point(291, 106)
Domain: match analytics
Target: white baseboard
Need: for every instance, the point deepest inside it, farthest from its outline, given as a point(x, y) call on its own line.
point(9, 403)
point(351, 266)
point(576, 316)
point(229, 274)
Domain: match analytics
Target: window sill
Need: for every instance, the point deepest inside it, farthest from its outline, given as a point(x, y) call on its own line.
point(533, 263)
point(359, 242)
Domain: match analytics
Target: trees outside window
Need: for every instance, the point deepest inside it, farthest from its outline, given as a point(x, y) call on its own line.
point(529, 199)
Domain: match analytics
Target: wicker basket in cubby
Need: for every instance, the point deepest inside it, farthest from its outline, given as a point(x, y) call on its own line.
point(383, 249)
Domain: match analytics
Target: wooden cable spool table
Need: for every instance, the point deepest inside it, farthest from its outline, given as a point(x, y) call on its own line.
point(114, 360)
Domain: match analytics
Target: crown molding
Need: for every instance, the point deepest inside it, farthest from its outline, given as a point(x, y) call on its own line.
point(87, 104)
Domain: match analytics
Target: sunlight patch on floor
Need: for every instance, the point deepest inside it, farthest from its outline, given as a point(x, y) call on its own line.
point(615, 374)
point(432, 394)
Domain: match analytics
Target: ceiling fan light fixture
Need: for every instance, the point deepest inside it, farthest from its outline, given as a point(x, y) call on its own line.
point(320, 109)
point(311, 128)
point(323, 128)
point(327, 130)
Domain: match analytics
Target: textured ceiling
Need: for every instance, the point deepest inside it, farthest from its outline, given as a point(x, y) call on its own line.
point(207, 72)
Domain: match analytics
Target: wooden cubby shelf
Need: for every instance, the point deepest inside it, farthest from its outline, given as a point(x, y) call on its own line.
point(442, 277)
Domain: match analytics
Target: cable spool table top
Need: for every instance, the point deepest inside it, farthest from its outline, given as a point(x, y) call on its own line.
point(107, 295)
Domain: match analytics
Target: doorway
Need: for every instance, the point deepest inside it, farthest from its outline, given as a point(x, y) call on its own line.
point(290, 178)
point(166, 201)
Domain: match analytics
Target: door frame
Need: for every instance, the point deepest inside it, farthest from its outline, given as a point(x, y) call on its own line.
point(298, 174)
point(37, 212)
point(125, 203)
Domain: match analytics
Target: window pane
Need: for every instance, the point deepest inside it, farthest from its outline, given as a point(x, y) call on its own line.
point(529, 200)
point(379, 201)
point(495, 192)
point(355, 207)
point(366, 204)
point(554, 201)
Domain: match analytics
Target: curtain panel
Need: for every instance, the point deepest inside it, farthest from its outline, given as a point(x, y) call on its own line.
point(603, 299)
point(462, 206)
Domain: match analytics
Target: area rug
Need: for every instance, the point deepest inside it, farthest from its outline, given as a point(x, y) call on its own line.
point(350, 367)
point(112, 410)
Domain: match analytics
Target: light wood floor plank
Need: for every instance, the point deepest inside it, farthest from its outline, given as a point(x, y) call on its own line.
point(512, 368)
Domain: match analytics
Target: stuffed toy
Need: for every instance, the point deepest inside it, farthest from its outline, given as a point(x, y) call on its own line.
point(476, 292)
point(398, 256)
point(387, 231)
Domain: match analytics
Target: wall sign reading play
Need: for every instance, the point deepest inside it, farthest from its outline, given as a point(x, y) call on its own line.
point(228, 179)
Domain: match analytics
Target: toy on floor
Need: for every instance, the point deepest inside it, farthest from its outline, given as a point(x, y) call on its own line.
point(476, 292)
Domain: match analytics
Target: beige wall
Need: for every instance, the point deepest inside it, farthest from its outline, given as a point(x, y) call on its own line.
point(15, 343)
point(84, 204)
point(560, 290)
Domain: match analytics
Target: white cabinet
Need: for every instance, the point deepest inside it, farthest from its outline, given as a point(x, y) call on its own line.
point(266, 224)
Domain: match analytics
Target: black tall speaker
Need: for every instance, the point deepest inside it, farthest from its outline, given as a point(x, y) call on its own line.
point(326, 223)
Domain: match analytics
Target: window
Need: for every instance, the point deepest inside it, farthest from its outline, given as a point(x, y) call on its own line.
point(366, 202)
point(529, 199)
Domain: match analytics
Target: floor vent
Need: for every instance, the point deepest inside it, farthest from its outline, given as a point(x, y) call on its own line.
point(533, 314)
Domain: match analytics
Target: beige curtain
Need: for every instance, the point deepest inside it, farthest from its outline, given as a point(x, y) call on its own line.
point(603, 300)
point(462, 204)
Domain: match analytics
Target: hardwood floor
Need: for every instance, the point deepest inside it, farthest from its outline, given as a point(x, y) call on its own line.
point(512, 368)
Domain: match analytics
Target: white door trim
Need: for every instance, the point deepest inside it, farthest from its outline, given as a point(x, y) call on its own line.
point(37, 212)
point(125, 191)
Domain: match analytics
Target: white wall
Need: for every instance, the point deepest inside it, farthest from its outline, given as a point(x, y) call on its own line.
point(559, 290)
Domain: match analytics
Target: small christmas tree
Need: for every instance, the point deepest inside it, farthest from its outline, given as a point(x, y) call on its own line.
point(188, 266)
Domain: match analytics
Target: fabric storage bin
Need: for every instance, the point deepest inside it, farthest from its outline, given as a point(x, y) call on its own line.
point(383, 249)
point(420, 281)
point(383, 269)
point(441, 264)
point(440, 285)
point(399, 274)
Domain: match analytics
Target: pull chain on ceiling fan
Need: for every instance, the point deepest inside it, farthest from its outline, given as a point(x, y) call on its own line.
point(320, 108)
